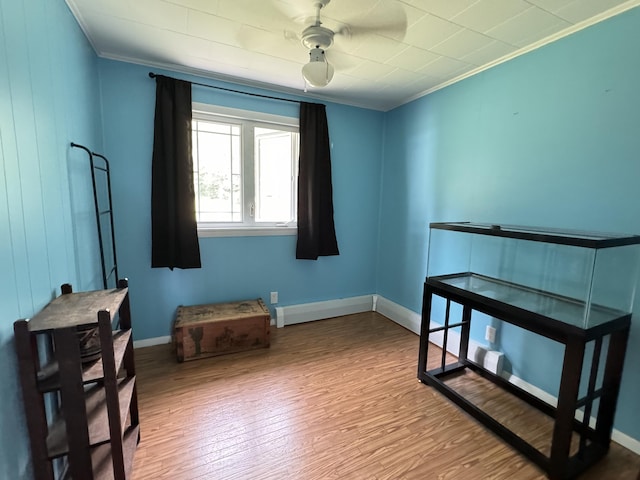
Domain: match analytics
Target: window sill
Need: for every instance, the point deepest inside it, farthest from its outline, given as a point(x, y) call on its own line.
point(246, 231)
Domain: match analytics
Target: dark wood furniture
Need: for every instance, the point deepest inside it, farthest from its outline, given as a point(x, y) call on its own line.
point(82, 412)
point(523, 306)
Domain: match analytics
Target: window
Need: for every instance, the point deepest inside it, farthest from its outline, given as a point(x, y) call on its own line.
point(245, 172)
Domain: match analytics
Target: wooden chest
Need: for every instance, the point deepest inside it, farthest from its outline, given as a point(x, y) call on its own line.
point(207, 330)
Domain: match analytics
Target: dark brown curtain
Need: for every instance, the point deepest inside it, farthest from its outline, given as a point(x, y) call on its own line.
point(316, 230)
point(174, 234)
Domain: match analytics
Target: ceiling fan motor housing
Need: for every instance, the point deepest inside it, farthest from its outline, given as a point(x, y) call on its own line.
point(317, 36)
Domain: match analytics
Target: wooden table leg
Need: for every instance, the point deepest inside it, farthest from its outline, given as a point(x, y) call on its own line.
point(567, 398)
point(464, 334)
point(424, 331)
point(611, 385)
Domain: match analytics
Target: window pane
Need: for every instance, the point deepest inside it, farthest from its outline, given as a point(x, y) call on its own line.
point(276, 152)
point(244, 165)
point(214, 127)
point(216, 175)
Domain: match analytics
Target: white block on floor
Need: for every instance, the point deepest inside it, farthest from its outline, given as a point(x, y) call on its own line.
point(491, 360)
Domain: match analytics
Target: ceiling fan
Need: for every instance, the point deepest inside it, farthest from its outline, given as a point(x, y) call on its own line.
point(387, 18)
point(318, 72)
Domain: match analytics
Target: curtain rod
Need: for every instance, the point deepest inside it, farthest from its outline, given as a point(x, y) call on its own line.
point(153, 75)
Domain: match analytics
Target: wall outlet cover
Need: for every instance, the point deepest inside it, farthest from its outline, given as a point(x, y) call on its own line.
point(490, 334)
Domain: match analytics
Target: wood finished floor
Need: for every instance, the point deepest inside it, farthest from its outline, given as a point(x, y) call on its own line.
point(332, 399)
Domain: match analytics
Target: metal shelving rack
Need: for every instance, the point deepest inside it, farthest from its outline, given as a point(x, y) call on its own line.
point(103, 212)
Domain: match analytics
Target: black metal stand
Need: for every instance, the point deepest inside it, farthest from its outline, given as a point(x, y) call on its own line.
point(103, 211)
point(594, 443)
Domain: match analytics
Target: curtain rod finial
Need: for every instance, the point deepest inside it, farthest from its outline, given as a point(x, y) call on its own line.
point(152, 75)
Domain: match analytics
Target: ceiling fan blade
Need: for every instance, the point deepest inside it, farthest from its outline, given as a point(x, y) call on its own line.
point(386, 18)
point(292, 36)
point(340, 60)
point(285, 44)
point(302, 13)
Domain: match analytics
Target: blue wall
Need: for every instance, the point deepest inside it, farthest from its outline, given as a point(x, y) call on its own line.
point(49, 97)
point(551, 138)
point(245, 267)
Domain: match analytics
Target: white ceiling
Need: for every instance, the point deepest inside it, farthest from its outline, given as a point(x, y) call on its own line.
point(253, 42)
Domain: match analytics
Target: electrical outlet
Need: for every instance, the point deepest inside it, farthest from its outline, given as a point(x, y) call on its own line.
point(274, 298)
point(490, 334)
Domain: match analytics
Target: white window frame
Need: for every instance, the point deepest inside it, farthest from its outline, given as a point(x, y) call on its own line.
point(247, 119)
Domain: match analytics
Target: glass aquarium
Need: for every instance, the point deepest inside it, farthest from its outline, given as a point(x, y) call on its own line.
point(579, 278)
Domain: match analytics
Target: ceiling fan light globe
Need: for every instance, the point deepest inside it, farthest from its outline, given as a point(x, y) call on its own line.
point(318, 74)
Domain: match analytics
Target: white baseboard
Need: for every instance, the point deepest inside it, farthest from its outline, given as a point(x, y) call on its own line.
point(399, 314)
point(626, 441)
point(308, 312)
point(411, 321)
